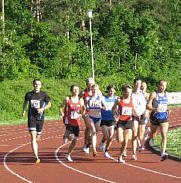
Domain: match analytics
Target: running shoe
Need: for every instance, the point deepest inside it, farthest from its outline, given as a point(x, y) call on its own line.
point(102, 146)
point(121, 160)
point(141, 148)
point(164, 156)
point(68, 158)
point(134, 157)
point(86, 150)
point(94, 153)
point(106, 155)
point(37, 161)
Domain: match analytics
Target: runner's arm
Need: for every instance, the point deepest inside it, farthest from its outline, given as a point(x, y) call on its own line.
point(115, 109)
point(24, 107)
point(150, 101)
point(83, 109)
point(62, 105)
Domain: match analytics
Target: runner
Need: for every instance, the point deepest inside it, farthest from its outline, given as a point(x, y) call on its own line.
point(142, 126)
point(140, 107)
point(107, 121)
point(93, 118)
point(86, 93)
point(125, 123)
point(38, 101)
point(158, 104)
point(71, 118)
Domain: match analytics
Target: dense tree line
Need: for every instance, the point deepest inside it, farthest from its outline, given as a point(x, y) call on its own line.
point(131, 38)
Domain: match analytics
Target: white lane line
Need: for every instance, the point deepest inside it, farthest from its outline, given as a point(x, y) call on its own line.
point(127, 164)
point(76, 170)
point(8, 169)
point(153, 171)
point(147, 169)
point(11, 151)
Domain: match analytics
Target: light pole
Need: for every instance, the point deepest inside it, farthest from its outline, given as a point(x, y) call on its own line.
point(2, 3)
point(92, 54)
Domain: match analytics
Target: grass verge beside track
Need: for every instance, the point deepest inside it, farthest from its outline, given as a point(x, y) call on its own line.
point(173, 142)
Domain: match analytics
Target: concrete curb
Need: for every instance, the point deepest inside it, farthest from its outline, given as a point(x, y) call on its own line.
point(151, 146)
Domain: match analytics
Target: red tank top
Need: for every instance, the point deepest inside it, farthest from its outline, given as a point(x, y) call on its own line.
point(86, 97)
point(125, 110)
point(72, 113)
point(86, 94)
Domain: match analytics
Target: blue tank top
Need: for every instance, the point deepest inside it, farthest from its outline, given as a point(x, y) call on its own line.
point(107, 114)
point(94, 107)
point(161, 103)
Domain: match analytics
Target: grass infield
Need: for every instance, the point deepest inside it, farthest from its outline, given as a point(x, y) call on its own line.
point(173, 142)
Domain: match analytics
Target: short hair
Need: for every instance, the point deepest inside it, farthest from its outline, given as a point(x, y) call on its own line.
point(161, 80)
point(124, 87)
point(95, 85)
point(71, 88)
point(137, 79)
point(89, 79)
point(110, 87)
point(36, 79)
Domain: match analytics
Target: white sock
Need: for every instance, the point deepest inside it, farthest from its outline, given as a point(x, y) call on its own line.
point(94, 141)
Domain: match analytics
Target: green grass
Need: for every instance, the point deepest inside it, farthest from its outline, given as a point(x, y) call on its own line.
point(13, 91)
point(173, 142)
point(12, 97)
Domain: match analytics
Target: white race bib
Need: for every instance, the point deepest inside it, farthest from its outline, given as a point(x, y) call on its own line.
point(162, 107)
point(74, 115)
point(127, 111)
point(35, 104)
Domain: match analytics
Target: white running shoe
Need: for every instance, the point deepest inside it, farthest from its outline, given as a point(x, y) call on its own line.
point(68, 157)
point(86, 150)
point(121, 160)
point(164, 156)
point(134, 157)
point(102, 146)
point(106, 155)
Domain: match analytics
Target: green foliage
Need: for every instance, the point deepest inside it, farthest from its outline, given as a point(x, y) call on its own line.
point(137, 38)
point(13, 92)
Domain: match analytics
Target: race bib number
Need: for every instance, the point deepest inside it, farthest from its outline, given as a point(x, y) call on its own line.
point(35, 104)
point(95, 104)
point(74, 115)
point(162, 107)
point(127, 111)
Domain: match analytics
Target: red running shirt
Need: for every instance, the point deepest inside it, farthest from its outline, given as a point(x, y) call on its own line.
point(86, 94)
point(86, 97)
point(125, 110)
point(72, 113)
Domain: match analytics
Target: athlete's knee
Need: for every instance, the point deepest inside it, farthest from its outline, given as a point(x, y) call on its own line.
point(134, 137)
point(71, 137)
point(120, 140)
point(94, 133)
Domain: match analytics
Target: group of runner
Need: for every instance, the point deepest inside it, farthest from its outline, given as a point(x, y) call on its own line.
point(127, 115)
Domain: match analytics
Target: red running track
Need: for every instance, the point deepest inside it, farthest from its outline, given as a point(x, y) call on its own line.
point(17, 165)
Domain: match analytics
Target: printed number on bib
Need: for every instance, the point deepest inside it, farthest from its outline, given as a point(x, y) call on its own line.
point(35, 104)
point(127, 111)
point(162, 107)
point(74, 115)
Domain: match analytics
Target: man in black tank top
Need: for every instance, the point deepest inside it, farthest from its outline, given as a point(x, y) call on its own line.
point(38, 101)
